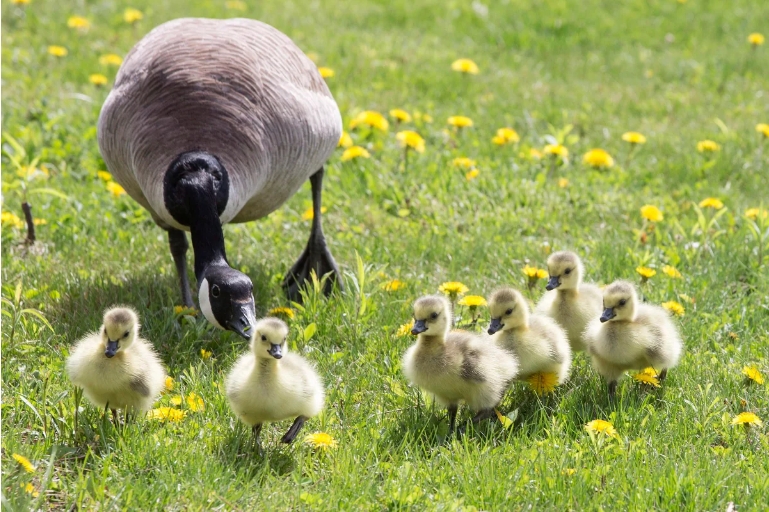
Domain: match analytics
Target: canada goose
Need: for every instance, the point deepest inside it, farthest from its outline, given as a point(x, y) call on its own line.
point(537, 341)
point(568, 300)
point(629, 335)
point(217, 121)
point(272, 384)
point(115, 366)
point(455, 366)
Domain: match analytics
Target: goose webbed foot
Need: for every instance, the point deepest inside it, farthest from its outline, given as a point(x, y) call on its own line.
point(177, 241)
point(316, 256)
point(290, 435)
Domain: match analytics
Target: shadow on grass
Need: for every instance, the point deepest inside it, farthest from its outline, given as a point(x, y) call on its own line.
point(239, 451)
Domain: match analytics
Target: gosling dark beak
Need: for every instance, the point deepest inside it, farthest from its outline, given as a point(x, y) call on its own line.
point(275, 351)
point(244, 319)
point(552, 283)
point(112, 347)
point(495, 325)
point(419, 327)
point(608, 314)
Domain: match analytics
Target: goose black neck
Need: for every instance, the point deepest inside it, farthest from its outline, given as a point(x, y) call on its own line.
point(195, 190)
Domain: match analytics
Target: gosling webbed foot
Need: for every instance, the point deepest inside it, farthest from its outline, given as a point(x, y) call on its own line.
point(290, 435)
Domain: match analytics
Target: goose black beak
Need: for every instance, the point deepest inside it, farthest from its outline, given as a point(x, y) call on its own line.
point(244, 319)
point(607, 315)
point(275, 351)
point(552, 283)
point(419, 327)
point(495, 325)
point(112, 347)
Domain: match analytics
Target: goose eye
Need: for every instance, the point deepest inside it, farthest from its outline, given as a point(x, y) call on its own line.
point(125, 334)
point(509, 311)
point(264, 338)
point(434, 316)
point(568, 271)
point(215, 291)
point(622, 302)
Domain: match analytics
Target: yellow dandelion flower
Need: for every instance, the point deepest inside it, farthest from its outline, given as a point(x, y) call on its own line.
point(598, 158)
point(98, 79)
point(30, 172)
point(170, 383)
point(472, 301)
point(110, 59)
point(646, 272)
point(12, 220)
point(177, 400)
point(543, 383)
point(57, 51)
point(674, 307)
point(104, 176)
point(411, 139)
point(556, 150)
point(535, 154)
point(465, 66)
point(563, 182)
point(309, 214)
point(20, 2)
point(756, 39)
point(672, 272)
point(711, 202)
point(400, 115)
point(651, 213)
point(505, 136)
point(601, 427)
point(453, 289)
point(463, 162)
point(184, 310)
point(24, 462)
point(763, 129)
point(30, 489)
point(282, 311)
point(460, 121)
point(747, 418)
point(195, 402)
point(472, 174)
point(78, 23)
point(707, 146)
point(370, 118)
point(39, 222)
point(753, 213)
point(393, 286)
point(205, 354)
point(354, 152)
point(405, 329)
point(753, 373)
point(235, 5)
point(568, 471)
point(131, 15)
point(534, 272)
point(115, 189)
point(166, 414)
point(345, 141)
point(321, 440)
point(634, 138)
point(647, 376)
point(326, 72)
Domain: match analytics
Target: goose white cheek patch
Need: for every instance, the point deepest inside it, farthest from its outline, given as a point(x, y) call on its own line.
point(205, 303)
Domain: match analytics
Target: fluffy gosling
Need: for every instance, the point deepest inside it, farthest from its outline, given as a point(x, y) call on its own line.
point(568, 300)
point(537, 341)
point(272, 384)
point(115, 367)
point(455, 366)
point(629, 336)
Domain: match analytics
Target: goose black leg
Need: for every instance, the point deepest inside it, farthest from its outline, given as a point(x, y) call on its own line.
point(316, 255)
point(177, 240)
point(290, 435)
point(452, 410)
point(612, 389)
point(256, 430)
point(663, 374)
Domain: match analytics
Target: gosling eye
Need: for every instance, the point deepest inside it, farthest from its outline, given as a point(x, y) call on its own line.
point(568, 271)
point(125, 334)
point(264, 338)
point(622, 302)
point(434, 316)
point(215, 291)
point(509, 311)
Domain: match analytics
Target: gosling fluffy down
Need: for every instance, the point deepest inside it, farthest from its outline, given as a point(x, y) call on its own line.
point(455, 366)
point(569, 301)
point(538, 342)
point(115, 366)
point(631, 336)
point(271, 384)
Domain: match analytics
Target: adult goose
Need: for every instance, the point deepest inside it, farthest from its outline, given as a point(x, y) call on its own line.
point(217, 121)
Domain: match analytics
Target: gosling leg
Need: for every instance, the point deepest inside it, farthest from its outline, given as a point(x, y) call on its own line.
point(177, 240)
point(290, 435)
point(483, 414)
point(256, 430)
point(612, 389)
point(114, 416)
point(316, 255)
point(663, 374)
point(452, 410)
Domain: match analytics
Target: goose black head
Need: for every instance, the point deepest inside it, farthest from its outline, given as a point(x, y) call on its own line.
point(227, 300)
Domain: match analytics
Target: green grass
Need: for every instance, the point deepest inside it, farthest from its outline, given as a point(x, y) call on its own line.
point(678, 73)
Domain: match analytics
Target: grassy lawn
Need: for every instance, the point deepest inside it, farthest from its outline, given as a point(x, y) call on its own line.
point(579, 73)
